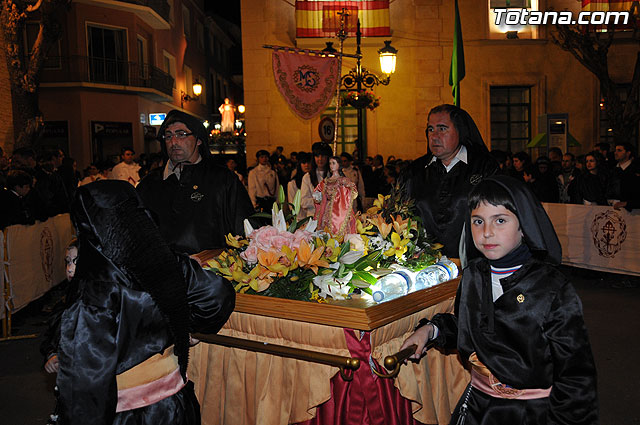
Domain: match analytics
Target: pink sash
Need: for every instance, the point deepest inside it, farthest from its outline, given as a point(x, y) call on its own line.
point(499, 390)
point(152, 392)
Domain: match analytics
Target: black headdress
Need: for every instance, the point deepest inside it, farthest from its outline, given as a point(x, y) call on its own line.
point(116, 233)
point(468, 132)
point(536, 226)
point(193, 124)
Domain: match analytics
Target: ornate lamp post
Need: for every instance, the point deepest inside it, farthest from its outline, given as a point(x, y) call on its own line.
point(359, 77)
point(197, 91)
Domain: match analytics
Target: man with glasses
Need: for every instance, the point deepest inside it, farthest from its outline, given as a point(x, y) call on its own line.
point(195, 201)
point(440, 181)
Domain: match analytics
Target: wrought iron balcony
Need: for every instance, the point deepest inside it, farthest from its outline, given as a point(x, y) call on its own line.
point(83, 69)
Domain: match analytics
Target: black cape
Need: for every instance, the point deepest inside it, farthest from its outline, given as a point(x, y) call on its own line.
point(538, 342)
point(135, 299)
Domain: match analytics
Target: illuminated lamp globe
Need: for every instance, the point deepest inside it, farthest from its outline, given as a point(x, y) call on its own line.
point(388, 58)
point(197, 88)
point(241, 109)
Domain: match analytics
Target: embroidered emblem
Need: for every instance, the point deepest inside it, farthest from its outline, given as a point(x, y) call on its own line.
point(306, 78)
point(609, 231)
point(475, 179)
point(503, 389)
point(197, 196)
point(195, 187)
point(46, 253)
point(520, 298)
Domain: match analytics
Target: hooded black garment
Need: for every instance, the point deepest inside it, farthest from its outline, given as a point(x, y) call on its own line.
point(532, 336)
point(207, 202)
point(441, 196)
point(135, 299)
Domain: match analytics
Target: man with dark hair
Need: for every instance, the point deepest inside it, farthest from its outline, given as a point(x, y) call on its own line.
point(263, 183)
point(555, 158)
point(126, 170)
point(567, 176)
point(440, 181)
point(196, 202)
point(627, 177)
point(609, 156)
point(15, 204)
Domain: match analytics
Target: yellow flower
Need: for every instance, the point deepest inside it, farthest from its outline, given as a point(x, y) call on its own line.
point(363, 228)
point(331, 249)
point(309, 257)
point(399, 246)
point(378, 204)
point(289, 258)
point(401, 226)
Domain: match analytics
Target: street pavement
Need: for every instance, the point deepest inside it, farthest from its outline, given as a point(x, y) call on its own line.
point(611, 309)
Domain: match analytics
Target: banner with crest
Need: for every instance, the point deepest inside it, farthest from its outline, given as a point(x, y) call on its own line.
point(597, 237)
point(306, 82)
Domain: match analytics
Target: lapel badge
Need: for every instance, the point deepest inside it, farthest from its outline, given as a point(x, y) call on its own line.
point(197, 196)
point(475, 179)
point(520, 298)
point(195, 187)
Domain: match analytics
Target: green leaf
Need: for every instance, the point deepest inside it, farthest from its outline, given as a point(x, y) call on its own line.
point(280, 194)
point(261, 215)
point(303, 222)
point(365, 276)
point(341, 271)
point(370, 260)
point(344, 248)
point(293, 226)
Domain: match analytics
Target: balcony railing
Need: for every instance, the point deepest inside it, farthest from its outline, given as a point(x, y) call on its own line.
point(108, 71)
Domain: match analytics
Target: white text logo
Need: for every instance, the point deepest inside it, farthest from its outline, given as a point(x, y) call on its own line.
point(534, 17)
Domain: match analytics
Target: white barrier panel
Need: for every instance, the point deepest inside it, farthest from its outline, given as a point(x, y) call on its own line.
point(36, 257)
point(597, 237)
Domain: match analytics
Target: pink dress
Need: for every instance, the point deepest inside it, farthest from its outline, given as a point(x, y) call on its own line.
point(335, 210)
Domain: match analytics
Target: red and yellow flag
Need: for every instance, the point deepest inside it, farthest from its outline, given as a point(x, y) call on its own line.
point(606, 5)
point(321, 18)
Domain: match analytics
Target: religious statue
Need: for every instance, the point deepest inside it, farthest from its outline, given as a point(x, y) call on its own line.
point(334, 198)
point(227, 112)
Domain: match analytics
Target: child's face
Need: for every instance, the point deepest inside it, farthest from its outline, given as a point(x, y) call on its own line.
point(495, 230)
point(70, 260)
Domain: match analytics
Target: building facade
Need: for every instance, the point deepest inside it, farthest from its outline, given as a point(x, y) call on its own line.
point(119, 64)
point(510, 82)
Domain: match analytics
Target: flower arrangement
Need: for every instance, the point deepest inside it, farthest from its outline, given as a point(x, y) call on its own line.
point(362, 99)
point(293, 259)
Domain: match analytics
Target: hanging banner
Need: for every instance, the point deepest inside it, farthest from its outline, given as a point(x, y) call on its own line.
point(321, 18)
point(306, 82)
point(597, 237)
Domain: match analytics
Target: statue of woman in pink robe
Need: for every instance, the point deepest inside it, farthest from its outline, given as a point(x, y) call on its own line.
point(335, 196)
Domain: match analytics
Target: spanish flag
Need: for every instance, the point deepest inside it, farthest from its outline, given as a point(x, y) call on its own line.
point(606, 5)
point(321, 18)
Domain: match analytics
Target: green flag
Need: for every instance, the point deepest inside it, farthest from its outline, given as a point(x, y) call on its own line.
point(456, 72)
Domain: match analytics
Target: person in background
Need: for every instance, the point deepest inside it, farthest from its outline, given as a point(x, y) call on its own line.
point(353, 173)
point(68, 172)
point(196, 202)
point(127, 169)
point(124, 341)
point(555, 158)
point(542, 181)
point(441, 180)
point(14, 198)
point(4, 168)
point(232, 166)
point(517, 320)
point(319, 169)
point(49, 186)
point(302, 168)
point(567, 175)
point(51, 340)
point(521, 161)
point(277, 156)
point(501, 157)
point(263, 183)
point(627, 178)
point(605, 151)
point(592, 187)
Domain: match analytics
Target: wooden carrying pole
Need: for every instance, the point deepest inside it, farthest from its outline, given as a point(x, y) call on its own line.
point(341, 362)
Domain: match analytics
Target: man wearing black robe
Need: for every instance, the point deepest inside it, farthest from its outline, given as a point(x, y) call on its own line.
point(440, 181)
point(196, 202)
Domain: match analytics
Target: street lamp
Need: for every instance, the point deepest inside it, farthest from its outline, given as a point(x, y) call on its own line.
point(360, 77)
point(197, 91)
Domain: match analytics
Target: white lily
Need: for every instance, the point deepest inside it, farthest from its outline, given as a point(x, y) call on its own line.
point(248, 229)
point(277, 218)
point(311, 226)
point(332, 286)
point(351, 257)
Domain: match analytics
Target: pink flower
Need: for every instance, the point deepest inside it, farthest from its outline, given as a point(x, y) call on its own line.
point(250, 254)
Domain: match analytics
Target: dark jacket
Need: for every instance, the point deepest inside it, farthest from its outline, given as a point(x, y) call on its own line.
point(441, 197)
point(197, 212)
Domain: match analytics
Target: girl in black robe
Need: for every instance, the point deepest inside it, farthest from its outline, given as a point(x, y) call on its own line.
point(523, 334)
point(124, 342)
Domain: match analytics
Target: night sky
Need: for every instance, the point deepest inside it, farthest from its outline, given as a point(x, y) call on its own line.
point(228, 9)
